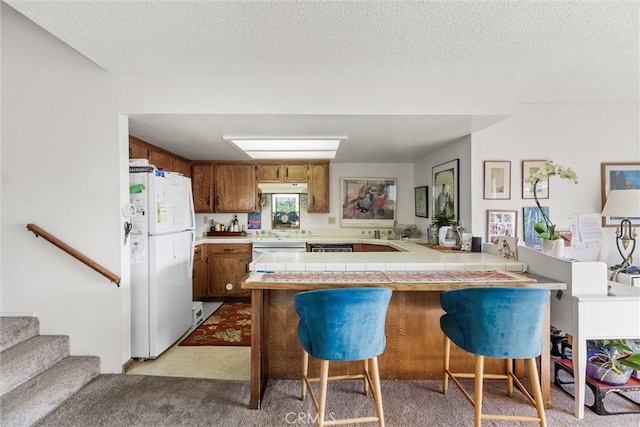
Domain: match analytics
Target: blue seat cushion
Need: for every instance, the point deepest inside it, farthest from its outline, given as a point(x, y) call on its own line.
point(342, 324)
point(496, 322)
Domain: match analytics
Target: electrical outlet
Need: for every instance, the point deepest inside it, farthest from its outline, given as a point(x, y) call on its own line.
point(332, 220)
point(206, 220)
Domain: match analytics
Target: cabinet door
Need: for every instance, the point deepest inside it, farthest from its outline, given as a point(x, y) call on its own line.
point(199, 273)
point(269, 173)
point(318, 188)
point(228, 268)
point(160, 159)
point(138, 149)
point(202, 184)
point(295, 172)
point(182, 166)
point(236, 188)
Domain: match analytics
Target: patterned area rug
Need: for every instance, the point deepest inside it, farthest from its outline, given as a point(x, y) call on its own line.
point(395, 277)
point(230, 324)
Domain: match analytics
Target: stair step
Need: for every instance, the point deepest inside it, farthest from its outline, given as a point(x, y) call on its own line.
point(29, 358)
point(31, 401)
point(17, 329)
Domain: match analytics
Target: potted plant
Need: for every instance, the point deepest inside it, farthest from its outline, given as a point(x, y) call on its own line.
point(440, 220)
point(612, 361)
point(545, 229)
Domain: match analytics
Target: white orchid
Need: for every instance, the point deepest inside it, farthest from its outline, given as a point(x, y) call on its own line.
point(545, 228)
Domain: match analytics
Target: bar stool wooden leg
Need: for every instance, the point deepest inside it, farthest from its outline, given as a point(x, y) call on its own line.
point(509, 363)
point(447, 353)
point(477, 406)
point(366, 374)
point(305, 370)
point(377, 391)
point(537, 392)
point(324, 375)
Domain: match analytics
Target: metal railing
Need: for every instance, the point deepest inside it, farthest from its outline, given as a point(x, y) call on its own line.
point(39, 232)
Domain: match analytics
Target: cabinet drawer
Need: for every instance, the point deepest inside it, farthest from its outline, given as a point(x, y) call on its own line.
point(238, 248)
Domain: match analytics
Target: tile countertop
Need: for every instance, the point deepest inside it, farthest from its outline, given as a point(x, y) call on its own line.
point(411, 256)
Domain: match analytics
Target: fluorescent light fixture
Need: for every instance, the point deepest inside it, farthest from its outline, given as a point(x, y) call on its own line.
point(287, 148)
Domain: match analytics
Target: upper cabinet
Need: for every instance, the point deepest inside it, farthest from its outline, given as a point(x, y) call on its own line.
point(282, 172)
point(202, 184)
point(159, 157)
point(236, 189)
point(318, 188)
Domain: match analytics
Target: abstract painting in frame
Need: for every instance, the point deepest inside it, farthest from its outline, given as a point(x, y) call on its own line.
point(617, 176)
point(543, 185)
point(368, 202)
point(445, 189)
point(497, 180)
point(421, 198)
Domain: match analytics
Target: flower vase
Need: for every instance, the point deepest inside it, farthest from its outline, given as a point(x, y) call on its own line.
point(553, 247)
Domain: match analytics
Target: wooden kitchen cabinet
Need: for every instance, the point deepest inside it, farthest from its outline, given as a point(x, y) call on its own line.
point(200, 273)
point(182, 166)
point(138, 149)
point(236, 189)
point(202, 186)
point(367, 247)
point(283, 172)
point(228, 267)
point(160, 158)
point(318, 188)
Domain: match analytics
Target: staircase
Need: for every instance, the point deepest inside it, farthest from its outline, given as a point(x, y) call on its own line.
point(37, 373)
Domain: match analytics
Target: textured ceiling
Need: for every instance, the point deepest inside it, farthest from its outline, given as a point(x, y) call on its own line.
point(558, 51)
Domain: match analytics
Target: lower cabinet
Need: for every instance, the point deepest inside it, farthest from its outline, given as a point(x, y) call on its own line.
point(200, 273)
point(228, 266)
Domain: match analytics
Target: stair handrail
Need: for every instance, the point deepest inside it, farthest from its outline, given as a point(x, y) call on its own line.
point(39, 232)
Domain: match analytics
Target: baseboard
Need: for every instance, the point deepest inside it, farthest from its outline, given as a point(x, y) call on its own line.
point(127, 366)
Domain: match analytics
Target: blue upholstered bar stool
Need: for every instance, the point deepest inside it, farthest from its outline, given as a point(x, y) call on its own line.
point(345, 324)
point(496, 322)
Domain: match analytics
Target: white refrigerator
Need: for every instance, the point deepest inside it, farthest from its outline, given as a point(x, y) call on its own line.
point(162, 242)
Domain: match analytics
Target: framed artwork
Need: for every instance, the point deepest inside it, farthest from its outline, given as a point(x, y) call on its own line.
point(445, 189)
point(531, 216)
point(543, 185)
point(421, 197)
point(497, 180)
point(368, 202)
point(501, 223)
point(617, 176)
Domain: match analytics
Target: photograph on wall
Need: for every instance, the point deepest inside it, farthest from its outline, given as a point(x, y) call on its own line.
point(618, 176)
point(532, 216)
point(368, 202)
point(501, 223)
point(254, 221)
point(421, 196)
point(445, 189)
point(542, 187)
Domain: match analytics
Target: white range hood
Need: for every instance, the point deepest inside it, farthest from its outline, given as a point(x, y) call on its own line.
point(282, 188)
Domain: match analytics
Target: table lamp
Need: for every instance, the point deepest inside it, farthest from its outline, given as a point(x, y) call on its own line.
point(624, 204)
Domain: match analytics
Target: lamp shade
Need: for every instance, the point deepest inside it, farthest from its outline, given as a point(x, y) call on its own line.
point(622, 204)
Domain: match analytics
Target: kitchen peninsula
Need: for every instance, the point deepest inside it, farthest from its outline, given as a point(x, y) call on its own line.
point(415, 273)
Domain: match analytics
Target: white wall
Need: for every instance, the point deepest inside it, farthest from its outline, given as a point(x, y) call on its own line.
point(579, 136)
point(61, 163)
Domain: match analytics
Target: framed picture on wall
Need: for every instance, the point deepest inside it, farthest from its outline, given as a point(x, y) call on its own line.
point(368, 202)
point(501, 223)
point(497, 180)
point(446, 190)
point(421, 198)
point(617, 176)
point(542, 187)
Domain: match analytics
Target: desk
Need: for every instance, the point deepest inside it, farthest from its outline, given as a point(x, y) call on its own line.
point(588, 317)
point(414, 341)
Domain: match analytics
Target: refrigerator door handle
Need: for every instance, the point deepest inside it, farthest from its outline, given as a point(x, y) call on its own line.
point(191, 253)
